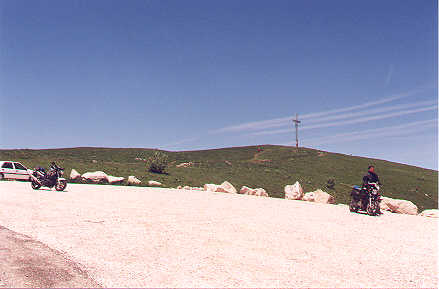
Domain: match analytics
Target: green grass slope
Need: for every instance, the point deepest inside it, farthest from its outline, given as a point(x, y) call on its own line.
point(271, 169)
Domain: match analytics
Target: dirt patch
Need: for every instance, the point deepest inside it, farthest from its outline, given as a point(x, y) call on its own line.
point(261, 161)
point(25, 262)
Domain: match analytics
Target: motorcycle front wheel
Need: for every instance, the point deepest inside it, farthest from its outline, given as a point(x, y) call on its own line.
point(35, 185)
point(372, 208)
point(61, 185)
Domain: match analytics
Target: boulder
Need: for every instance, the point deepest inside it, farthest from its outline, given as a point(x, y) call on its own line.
point(187, 188)
point(210, 187)
point(179, 187)
point(293, 192)
point(115, 180)
point(433, 213)
point(154, 183)
point(132, 180)
point(96, 177)
point(319, 196)
point(74, 175)
point(246, 190)
point(226, 187)
point(254, 192)
point(383, 206)
point(260, 192)
point(398, 206)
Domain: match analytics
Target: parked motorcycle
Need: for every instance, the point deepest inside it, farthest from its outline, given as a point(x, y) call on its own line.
point(366, 199)
point(51, 178)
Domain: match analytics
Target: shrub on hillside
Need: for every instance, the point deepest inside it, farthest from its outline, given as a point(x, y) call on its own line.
point(158, 162)
point(330, 184)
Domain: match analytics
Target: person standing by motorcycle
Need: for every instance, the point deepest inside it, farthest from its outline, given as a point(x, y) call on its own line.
point(52, 170)
point(372, 177)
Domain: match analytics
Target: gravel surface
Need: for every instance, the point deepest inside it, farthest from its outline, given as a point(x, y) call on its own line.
point(152, 237)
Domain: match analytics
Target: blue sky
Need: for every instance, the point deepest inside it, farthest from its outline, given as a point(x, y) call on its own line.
point(186, 75)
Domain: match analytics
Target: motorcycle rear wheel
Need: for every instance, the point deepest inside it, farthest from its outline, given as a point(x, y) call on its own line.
point(35, 185)
point(61, 185)
point(353, 206)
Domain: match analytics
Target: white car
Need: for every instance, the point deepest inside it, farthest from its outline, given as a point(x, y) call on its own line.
point(13, 170)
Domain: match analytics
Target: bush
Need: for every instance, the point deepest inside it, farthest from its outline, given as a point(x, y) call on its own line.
point(158, 162)
point(330, 184)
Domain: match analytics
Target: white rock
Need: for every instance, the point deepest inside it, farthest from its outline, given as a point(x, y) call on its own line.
point(383, 206)
point(74, 175)
point(154, 183)
point(210, 187)
point(187, 188)
point(398, 206)
point(132, 180)
point(115, 180)
point(97, 177)
point(319, 196)
point(254, 192)
point(179, 187)
point(433, 213)
point(260, 192)
point(246, 190)
point(309, 197)
point(226, 187)
point(293, 192)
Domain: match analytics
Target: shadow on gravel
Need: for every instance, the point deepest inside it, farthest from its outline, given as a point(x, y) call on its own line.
point(52, 190)
point(25, 262)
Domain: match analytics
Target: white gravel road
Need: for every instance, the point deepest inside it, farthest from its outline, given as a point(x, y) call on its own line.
point(150, 237)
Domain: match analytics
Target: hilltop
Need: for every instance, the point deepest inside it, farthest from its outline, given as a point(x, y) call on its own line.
point(271, 168)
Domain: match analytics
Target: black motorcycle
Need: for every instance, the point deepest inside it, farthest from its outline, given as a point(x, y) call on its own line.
point(51, 178)
point(366, 199)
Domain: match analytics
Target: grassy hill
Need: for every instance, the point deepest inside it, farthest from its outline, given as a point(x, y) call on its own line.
point(272, 169)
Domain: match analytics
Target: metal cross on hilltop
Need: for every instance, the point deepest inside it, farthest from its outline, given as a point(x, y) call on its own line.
point(296, 123)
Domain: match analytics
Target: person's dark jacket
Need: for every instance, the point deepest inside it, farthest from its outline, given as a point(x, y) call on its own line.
point(371, 178)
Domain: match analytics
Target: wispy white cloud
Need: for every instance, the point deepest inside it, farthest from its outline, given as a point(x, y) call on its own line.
point(350, 121)
point(389, 74)
point(372, 111)
point(397, 130)
point(283, 121)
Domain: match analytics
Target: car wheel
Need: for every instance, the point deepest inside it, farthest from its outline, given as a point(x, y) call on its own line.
point(35, 185)
point(2, 177)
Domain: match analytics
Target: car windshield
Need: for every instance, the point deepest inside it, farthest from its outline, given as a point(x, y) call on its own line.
point(19, 166)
